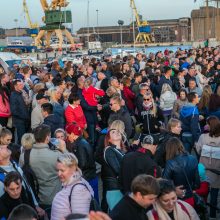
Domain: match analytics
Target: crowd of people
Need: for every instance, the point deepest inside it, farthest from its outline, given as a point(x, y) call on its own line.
point(151, 122)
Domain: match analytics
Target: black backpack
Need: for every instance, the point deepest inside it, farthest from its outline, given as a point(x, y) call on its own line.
point(30, 175)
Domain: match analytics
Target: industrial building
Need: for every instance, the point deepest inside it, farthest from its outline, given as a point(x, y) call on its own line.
point(171, 30)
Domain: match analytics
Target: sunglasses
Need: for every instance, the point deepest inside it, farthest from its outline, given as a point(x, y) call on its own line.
point(147, 99)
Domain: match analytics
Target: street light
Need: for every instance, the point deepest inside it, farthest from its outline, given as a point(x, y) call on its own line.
point(120, 23)
point(97, 11)
point(88, 21)
point(16, 27)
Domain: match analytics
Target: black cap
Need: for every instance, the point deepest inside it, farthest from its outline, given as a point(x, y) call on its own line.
point(150, 139)
point(41, 96)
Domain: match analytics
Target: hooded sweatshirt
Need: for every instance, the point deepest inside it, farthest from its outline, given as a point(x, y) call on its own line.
point(189, 116)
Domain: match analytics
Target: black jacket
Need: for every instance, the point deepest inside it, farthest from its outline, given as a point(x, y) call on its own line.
point(7, 204)
point(128, 209)
point(112, 158)
point(135, 163)
point(84, 153)
point(151, 124)
point(54, 122)
point(19, 110)
point(178, 167)
point(160, 155)
point(123, 115)
point(139, 105)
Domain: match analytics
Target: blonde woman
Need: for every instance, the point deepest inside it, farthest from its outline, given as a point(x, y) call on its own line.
point(27, 142)
point(76, 194)
point(151, 116)
point(167, 99)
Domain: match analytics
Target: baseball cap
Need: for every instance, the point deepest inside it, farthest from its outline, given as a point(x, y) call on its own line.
point(41, 96)
point(150, 139)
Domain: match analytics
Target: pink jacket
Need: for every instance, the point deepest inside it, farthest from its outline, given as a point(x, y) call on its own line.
point(90, 95)
point(80, 199)
point(4, 108)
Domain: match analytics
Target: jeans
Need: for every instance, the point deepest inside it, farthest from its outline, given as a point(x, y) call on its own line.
point(95, 186)
point(187, 140)
point(21, 128)
point(92, 134)
point(213, 201)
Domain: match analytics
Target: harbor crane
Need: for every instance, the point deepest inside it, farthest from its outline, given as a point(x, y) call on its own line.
point(144, 29)
point(34, 27)
point(54, 18)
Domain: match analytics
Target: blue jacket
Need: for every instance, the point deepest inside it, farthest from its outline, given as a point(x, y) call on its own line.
point(54, 122)
point(189, 116)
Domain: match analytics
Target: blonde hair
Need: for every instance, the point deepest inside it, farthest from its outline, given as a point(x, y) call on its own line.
point(173, 122)
point(38, 87)
point(154, 106)
point(166, 87)
point(69, 160)
point(27, 141)
point(52, 94)
point(88, 82)
point(120, 126)
point(111, 91)
point(66, 94)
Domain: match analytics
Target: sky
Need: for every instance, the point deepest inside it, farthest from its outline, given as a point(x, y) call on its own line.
point(109, 11)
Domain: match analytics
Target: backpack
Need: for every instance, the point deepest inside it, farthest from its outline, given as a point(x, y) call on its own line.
point(94, 206)
point(30, 175)
point(156, 216)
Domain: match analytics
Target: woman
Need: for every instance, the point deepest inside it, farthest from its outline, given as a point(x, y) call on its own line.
point(167, 99)
point(112, 157)
point(179, 103)
point(76, 194)
point(68, 74)
point(74, 112)
point(211, 139)
point(128, 94)
point(182, 169)
point(174, 130)
point(168, 207)
point(204, 100)
point(5, 111)
point(60, 134)
point(151, 116)
point(85, 155)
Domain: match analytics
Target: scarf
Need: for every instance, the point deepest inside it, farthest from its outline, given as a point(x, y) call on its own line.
point(179, 213)
point(148, 106)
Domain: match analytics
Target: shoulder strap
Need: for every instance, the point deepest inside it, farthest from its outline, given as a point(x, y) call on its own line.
point(155, 214)
point(184, 208)
point(71, 191)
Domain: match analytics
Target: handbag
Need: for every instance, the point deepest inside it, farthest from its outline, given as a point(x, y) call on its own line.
point(199, 203)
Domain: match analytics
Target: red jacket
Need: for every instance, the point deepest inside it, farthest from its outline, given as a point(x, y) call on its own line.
point(90, 95)
point(75, 115)
point(4, 108)
point(129, 96)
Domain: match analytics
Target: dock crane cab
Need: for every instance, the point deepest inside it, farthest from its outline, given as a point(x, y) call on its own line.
point(144, 29)
point(34, 27)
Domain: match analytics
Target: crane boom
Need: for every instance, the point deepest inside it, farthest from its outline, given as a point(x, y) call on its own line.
point(143, 26)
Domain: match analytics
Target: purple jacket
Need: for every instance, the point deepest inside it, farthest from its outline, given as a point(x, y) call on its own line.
point(80, 198)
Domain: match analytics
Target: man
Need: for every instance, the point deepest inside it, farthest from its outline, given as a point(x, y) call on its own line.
point(150, 68)
point(105, 70)
point(7, 166)
point(140, 162)
point(120, 113)
point(23, 212)
point(137, 81)
point(36, 114)
point(144, 191)
point(43, 163)
point(102, 82)
point(193, 88)
point(49, 118)
point(165, 78)
point(191, 74)
point(189, 117)
point(19, 110)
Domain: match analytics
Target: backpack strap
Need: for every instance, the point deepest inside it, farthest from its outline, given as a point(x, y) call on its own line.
point(155, 214)
point(184, 209)
point(71, 191)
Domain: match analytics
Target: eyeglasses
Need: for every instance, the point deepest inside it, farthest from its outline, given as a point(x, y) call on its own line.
point(147, 99)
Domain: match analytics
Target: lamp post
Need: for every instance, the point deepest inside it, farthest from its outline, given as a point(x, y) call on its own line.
point(97, 11)
point(120, 23)
point(88, 22)
point(16, 27)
